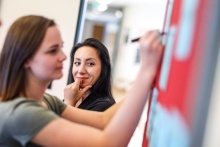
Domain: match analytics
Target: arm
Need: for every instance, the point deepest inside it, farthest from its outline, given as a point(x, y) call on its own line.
point(91, 118)
point(72, 134)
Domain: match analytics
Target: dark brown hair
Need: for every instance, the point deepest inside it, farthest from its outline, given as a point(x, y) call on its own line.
point(22, 41)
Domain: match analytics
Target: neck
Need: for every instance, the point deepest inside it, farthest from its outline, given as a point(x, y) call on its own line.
point(36, 89)
point(36, 92)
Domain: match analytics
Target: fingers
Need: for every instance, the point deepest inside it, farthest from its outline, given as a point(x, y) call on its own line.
point(150, 38)
point(78, 82)
point(151, 50)
point(157, 42)
point(73, 92)
point(85, 89)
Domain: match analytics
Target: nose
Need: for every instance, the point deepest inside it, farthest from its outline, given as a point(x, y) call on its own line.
point(82, 69)
point(62, 56)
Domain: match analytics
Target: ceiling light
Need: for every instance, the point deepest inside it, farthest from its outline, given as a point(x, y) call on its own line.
point(118, 14)
point(102, 7)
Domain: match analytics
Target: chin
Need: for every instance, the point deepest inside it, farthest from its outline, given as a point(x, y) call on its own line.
point(59, 76)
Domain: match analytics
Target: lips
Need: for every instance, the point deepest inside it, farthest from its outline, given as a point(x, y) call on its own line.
point(82, 78)
point(60, 68)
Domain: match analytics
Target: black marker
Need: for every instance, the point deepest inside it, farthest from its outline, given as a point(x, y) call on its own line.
point(137, 39)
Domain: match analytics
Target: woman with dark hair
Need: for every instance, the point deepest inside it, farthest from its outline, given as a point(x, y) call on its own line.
point(90, 63)
point(31, 58)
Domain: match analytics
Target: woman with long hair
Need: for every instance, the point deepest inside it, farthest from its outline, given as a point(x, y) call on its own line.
point(90, 63)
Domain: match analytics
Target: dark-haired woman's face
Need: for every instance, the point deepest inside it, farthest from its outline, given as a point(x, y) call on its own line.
point(86, 65)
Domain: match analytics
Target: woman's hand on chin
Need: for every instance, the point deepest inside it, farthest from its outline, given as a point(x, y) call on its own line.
point(73, 92)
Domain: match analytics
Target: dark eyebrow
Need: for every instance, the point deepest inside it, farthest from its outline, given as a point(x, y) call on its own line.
point(90, 59)
point(86, 59)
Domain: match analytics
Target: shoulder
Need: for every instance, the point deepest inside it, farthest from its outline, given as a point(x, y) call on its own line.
point(51, 99)
point(24, 110)
point(17, 106)
point(23, 118)
point(106, 100)
point(101, 104)
point(54, 103)
point(97, 103)
point(11, 108)
point(101, 98)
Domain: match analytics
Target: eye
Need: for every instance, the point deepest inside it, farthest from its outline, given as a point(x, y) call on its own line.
point(90, 64)
point(53, 51)
point(77, 63)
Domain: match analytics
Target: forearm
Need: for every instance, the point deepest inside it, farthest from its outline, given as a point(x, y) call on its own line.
point(92, 118)
point(86, 117)
point(109, 113)
point(128, 124)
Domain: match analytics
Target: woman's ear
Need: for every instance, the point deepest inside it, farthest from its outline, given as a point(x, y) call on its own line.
point(27, 64)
